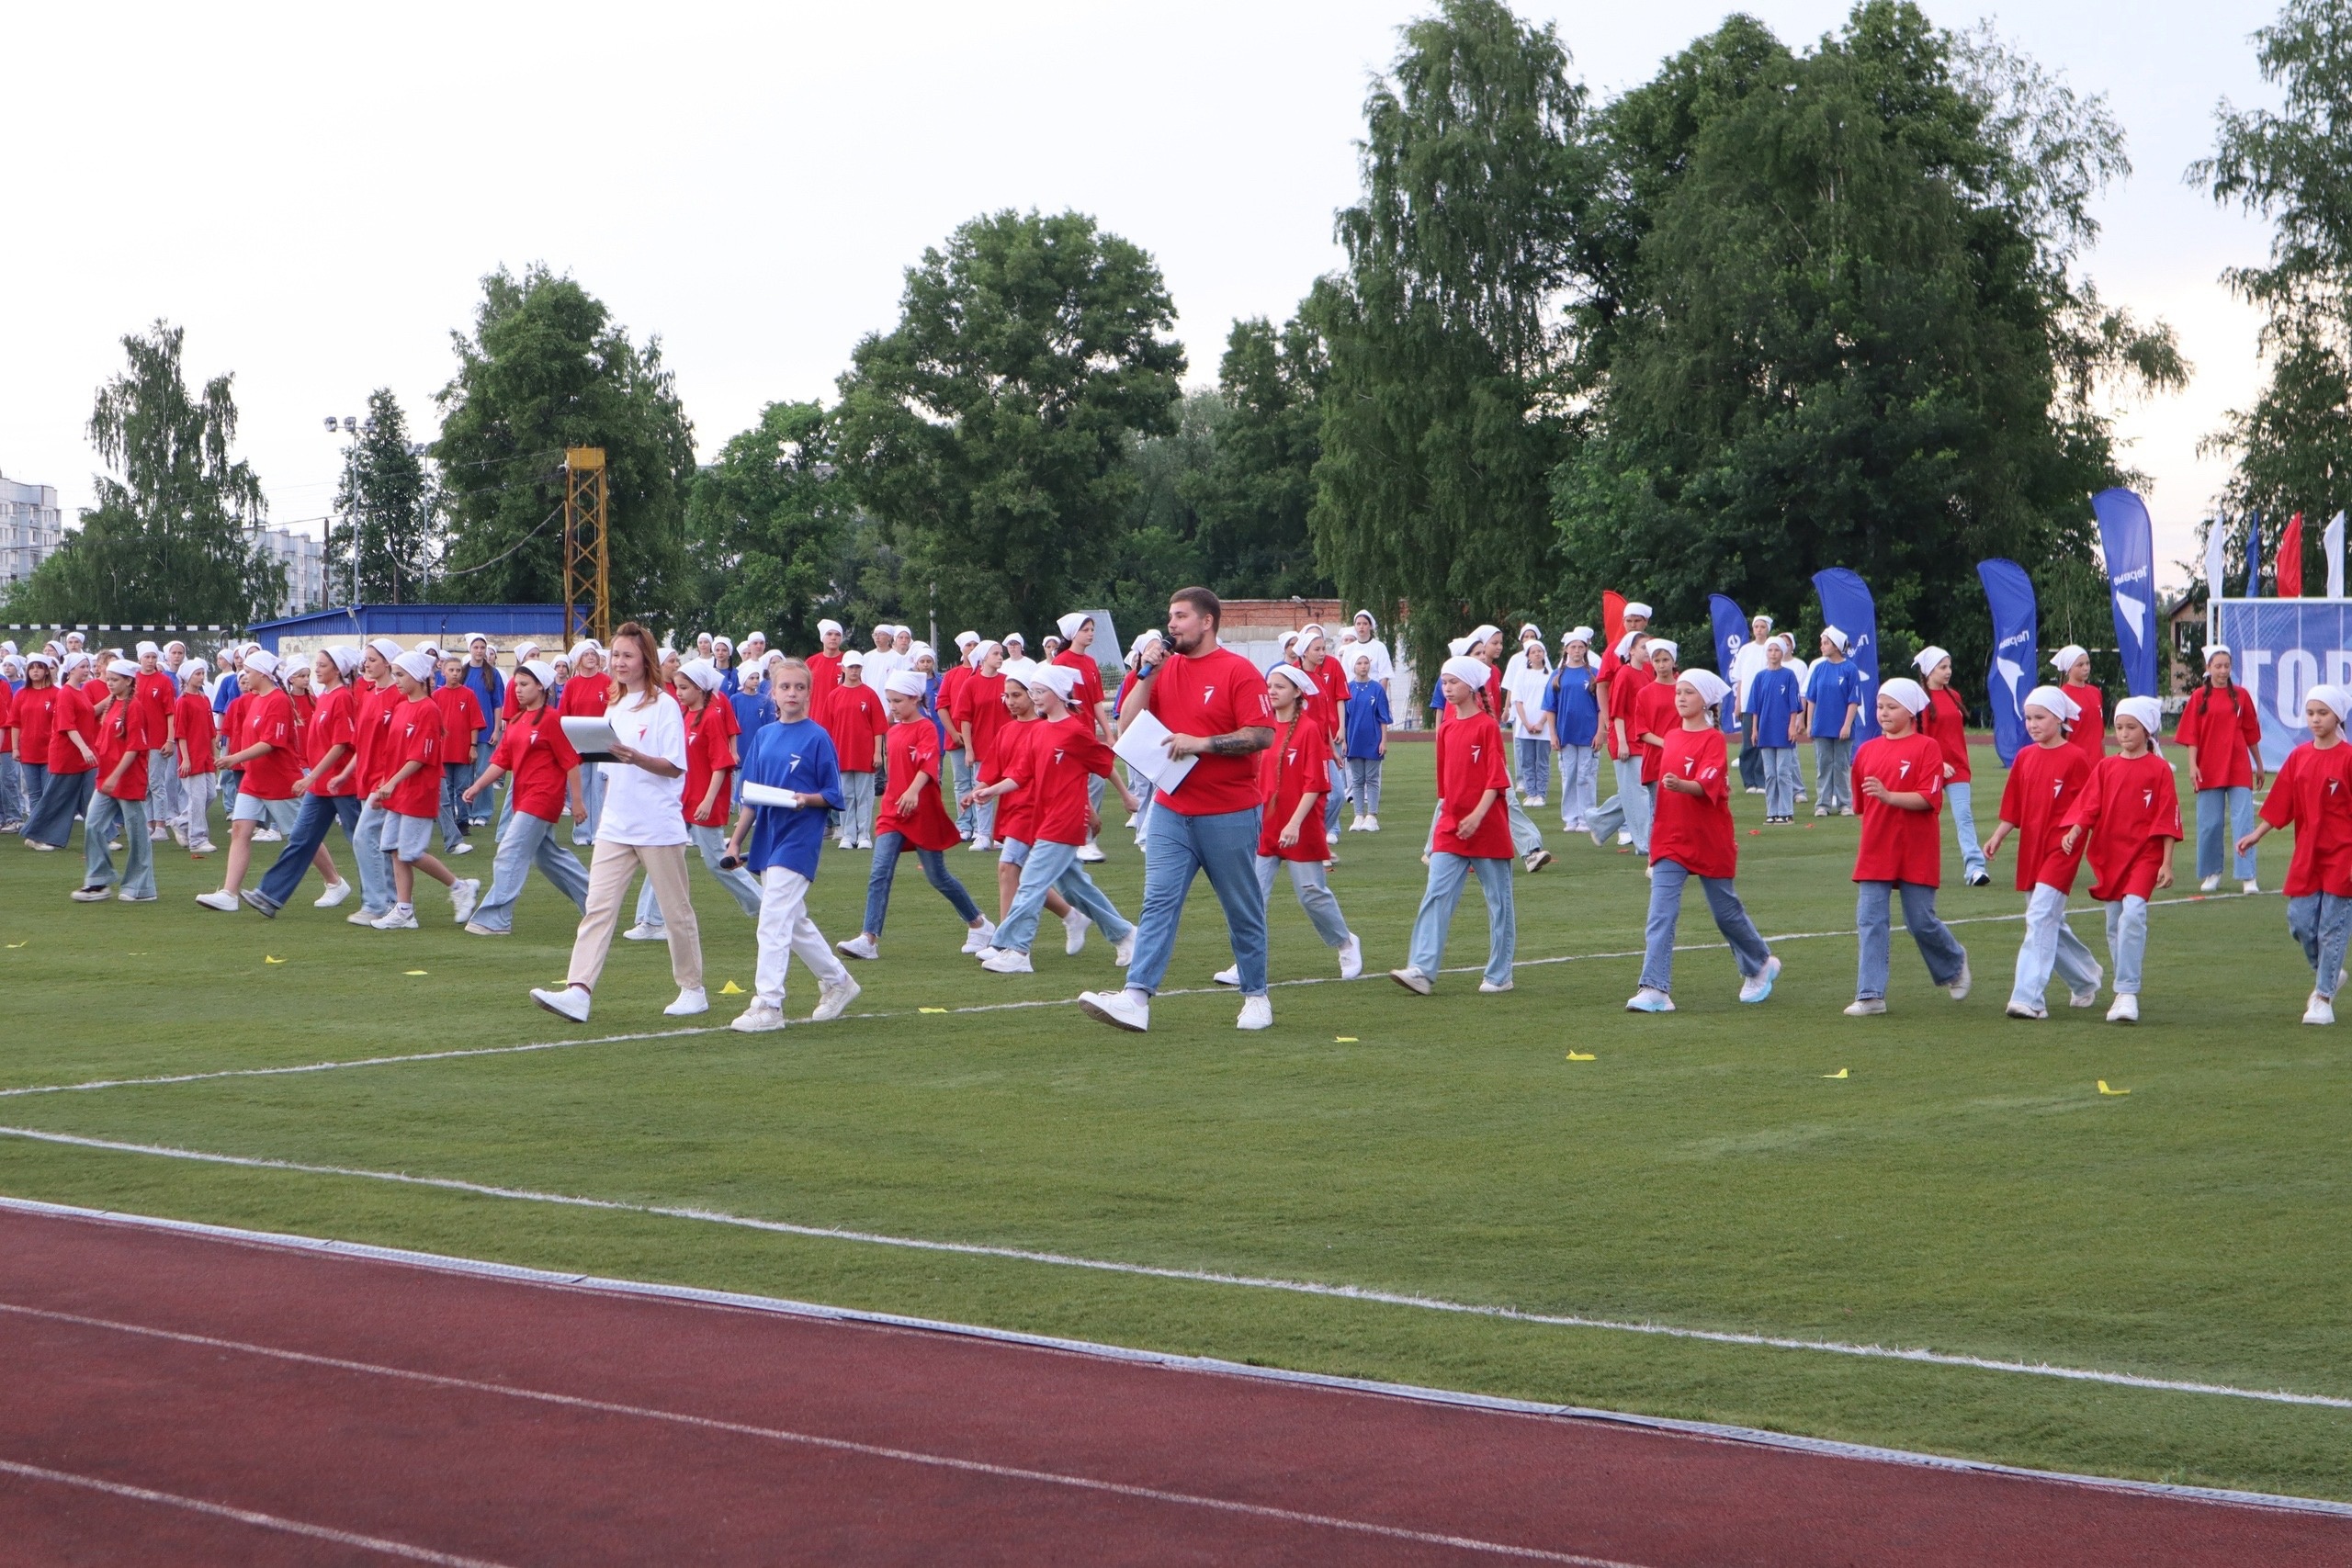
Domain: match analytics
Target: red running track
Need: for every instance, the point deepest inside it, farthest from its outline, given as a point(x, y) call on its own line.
point(182, 1398)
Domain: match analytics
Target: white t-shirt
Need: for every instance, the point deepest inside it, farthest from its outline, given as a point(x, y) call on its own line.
point(1524, 687)
point(642, 807)
point(1745, 665)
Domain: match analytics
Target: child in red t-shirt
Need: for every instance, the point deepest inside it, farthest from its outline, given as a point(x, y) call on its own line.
point(913, 817)
point(1472, 832)
point(853, 715)
point(2132, 815)
point(1064, 753)
point(2046, 779)
point(1898, 790)
point(2087, 729)
point(546, 770)
point(2314, 791)
point(194, 732)
point(1692, 835)
point(128, 731)
point(978, 713)
point(2223, 730)
point(410, 794)
point(1294, 828)
point(461, 721)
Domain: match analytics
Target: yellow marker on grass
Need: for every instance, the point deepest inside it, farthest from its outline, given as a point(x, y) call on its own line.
point(412, 971)
point(2104, 1089)
point(1838, 1073)
point(930, 1009)
point(1582, 1056)
point(1343, 1040)
point(730, 989)
point(266, 958)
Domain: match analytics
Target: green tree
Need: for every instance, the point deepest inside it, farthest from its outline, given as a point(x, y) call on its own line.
point(1159, 547)
point(766, 526)
point(1441, 405)
point(2294, 447)
point(1836, 322)
point(168, 542)
point(546, 368)
point(384, 509)
point(989, 433)
point(1252, 498)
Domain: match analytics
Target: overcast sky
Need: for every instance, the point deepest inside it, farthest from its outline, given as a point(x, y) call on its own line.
point(314, 192)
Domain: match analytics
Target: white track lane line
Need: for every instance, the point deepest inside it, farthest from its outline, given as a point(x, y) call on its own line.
point(452, 1055)
point(1194, 1276)
point(243, 1516)
point(808, 1440)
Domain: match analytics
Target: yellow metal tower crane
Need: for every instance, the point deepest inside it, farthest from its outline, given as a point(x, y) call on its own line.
point(587, 551)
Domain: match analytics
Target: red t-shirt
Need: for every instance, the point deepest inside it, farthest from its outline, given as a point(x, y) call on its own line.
point(461, 721)
point(1055, 767)
point(129, 727)
point(1694, 831)
point(950, 685)
point(710, 749)
point(416, 737)
point(1494, 699)
point(2223, 728)
point(1628, 684)
point(1296, 765)
point(1016, 813)
point(855, 718)
point(586, 696)
point(2314, 791)
point(193, 720)
point(1087, 699)
point(2130, 809)
point(824, 674)
point(2045, 783)
point(36, 722)
point(157, 692)
point(1215, 693)
point(1654, 713)
point(539, 756)
point(1946, 722)
point(913, 751)
point(268, 719)
point(2089, 731)
point(980, 707)
point(71, 714)
point(1899, 845)
point(7, 718)
point(1332, 684)
point(1469, 763)
point(331, 726)
point(371, 722)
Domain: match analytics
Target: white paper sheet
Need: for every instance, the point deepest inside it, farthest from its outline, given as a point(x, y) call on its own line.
point(592, 737)
point(1142, 747)
point(768, 794)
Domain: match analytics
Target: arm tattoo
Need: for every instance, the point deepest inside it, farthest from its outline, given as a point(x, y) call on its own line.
point(1241, 742)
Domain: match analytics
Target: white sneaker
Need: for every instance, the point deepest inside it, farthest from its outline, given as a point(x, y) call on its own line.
point(398, 917)
point(268, 836)
point(1257, 1012)
point(834, 1000)
point(1004, 961)
point(474, 929)
point(336, 893)
point(463, 893)
point(127, 897)
point(843, 844)
point(982, 844)
point(2084, 998)
point(980, 936)
point(1959, 988)
point(1121, 1009)
point(1623, 837)
point(1229, 975)
point(2211, 884)
point(1372, 823)
point(1756, 987)
point(645, 933)
point(757, 1018)
point(1866, 1007)
point(1350, 957)
point(865, 843)
point(2320, 1010)
point(864, 946)
point(1821, 811)
point(1074, 933)
point(1131, 819)
point(1537, 860)
point(692, 999)
point(2125, 1010)
point(1488, 987)
point(564, 1001)
point(1091, 852)
point(224, 902)
point(2250, 886)
point(363, 917)
point(92, 895)
point(1649, 999)
point(461, 848)
point(2021, 1010)
point(1123, 952)
point(1411, 979)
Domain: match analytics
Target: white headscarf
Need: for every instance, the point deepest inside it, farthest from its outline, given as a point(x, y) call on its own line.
point(2149, 712)
point(1904, 690)
point(2053, 700)
point(1710, 686)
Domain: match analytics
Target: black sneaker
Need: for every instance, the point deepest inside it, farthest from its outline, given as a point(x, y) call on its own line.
point(259, 903)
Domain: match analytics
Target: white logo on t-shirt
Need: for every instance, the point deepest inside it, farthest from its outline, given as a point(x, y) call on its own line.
point(1474, 753)
point(1902, 770)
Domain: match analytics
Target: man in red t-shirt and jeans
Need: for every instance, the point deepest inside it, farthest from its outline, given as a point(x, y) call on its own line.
point(1213, 703)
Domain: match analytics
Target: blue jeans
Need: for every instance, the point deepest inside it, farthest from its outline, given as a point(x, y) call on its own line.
point(1447, 874)
point(1629, 808)
point(2127, 941)
point(1336, 781)
point(854, 821)
point(318, 813)
point(1833, 773)
point(2050, 944)
point(592, 796)
point(1959, 801)
point(456, 815)
point(31, 779)
point(1054, 868)
point(1314, 890)
point(1781, 777)
point(375, 860)
point(967, 817)
point(527, 842)
point(887, 847)
point(2224, 817)
point(63, 796)
point(1534, 765)
point(137, 851)
point(2321, 924)
point(12, 789)
point(1667, 878)
point(1364, 784)
point(1178, 848)
point(712, 843)
point(1751, 755)
point(1944, 955)
point(1579, 771)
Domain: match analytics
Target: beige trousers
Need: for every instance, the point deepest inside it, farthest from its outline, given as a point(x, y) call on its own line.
point(609, 874)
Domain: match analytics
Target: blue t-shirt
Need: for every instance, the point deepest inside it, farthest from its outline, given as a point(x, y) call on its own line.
point(799, 757)
point(489, 688)
point(1368, 717)
point(1772, 697)
point(1832, 686)
point(731, 680)
point(754, 713)
point(1576, 713)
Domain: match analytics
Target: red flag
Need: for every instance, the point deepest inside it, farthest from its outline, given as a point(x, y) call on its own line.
point(1613, 615)
point(2290, 559)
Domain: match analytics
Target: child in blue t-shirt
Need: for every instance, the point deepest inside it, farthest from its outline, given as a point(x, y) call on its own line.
point(778, 843)
point(1777, 708)
point(1575, 726)
point(1368, 721)
point(1833, 696)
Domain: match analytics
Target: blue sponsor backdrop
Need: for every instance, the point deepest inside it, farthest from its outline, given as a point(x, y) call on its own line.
point(2283, 647)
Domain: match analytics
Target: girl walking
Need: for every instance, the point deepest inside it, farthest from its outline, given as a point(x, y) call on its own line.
point(546, 771)
point(2222, 731)
point(1946, 722)
point(2313, 794)
point(1471, 833)
point(1291, 776)
point(2046, 780)
point(2131, 813)
point(1898, 777)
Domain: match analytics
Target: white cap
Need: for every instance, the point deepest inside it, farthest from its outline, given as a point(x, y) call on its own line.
point(723, 640)
point(1904, 690)
point(1710, 686)
point(1060, 678)
point(416, 664)
point(539, 670)
point(124, 668)
point(2150, 714)
point(1761, 617)
point(2338, 698)
point(1641, 610)
point(2064, 659)
point(1012, 637)
point(585, 645)
point(1296, 677)
point(346, 659)
point(829, 628)
point(1071, 622)
point(385, 648)
point(853, 660)
point(751, 638)
point(1018, 670)
point(702, 673)
point(906, 683)
point(2053, 702)
point(2213, 649)
point(963, 639)
point(1578, 634)
point(1482, 633)
point(145, 649)
point(1927, 659)
point(1673, 649)
point(1839, 638)
point(1530, 630)
point(261, 662)
point(1471, 672)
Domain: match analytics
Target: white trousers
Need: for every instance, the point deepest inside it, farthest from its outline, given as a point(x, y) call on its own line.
point(785, 931)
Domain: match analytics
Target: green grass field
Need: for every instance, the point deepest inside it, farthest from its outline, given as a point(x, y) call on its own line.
point(1965, 1187)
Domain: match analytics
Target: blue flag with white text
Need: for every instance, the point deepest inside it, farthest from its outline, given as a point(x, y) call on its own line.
point(1731, 635)
point(2129, 542)
point(2015, 656)
point(1846, 603)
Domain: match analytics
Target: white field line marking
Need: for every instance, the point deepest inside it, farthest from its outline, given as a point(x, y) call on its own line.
point(1194, 1276)
point(459, 1055)
point(701, 1296)
point(243, 1516)
point(814, 1440)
